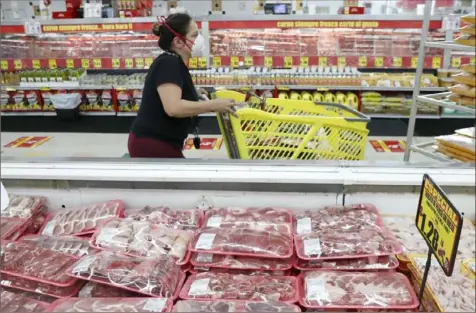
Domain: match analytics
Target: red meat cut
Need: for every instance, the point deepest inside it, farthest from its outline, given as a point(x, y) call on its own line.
point(11, 302)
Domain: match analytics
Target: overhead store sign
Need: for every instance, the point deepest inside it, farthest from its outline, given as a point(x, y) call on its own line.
point(86, 28)
point(328, 24)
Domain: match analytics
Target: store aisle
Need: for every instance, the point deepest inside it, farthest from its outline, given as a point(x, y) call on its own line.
point(115, 146)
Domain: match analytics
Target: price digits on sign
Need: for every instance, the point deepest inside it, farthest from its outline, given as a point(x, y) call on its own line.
point(432, 233)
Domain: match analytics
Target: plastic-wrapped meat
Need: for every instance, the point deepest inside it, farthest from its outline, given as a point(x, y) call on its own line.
point(111, 305)
point(197, 269)
point(158, 276)
point(181, 219)
point(243, 242)
point(31, 295)
point(270, 307)
point(26, 260)
point(370, 263)
point(71, 245)
point(140, 238)
point(38, 219)
point(239, 262)
point(11, 302)
point(264, 219)
point(377, 242)
point(233, 306)
point(214, 286)
point(38, 287)
point(353, 218)
point(11, 227)
point(22, 206)
point(356, 290)
point(81, 221)
point(95, 290)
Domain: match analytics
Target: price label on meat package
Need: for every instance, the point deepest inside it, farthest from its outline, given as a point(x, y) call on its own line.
point(303, 225)
point(84, 264)
point(439, 222)
point(214, 221)
point(200, 287)
point(49, 228)
point(316, 289)
point(155, 305)
point(204, 257)
point(205, 241)
point(312, 247)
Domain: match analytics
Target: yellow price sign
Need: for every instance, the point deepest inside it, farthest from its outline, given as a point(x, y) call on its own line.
point(472, 60)
point(378, 62)
point(129, 63)
point(397, 62)
point(414, 62)
point(202, 62)
point(439, 222)
point(456, 62)
point(235, 62)
point(323, 61)
point(216, 61)
point(436, 62)
point(304, 62)
point(4, 65)
point(18, 64)
point(52, 64)
point(341, 61)
point(148, 62)
point(288, 62)
point(268, 62)
point(193, 63)
point(363, 61)
point(139, 62)
point(97, 63)
point(85, 63)
point(69, 63)
point(249, 61)
point(116, 63)
point(36, 64)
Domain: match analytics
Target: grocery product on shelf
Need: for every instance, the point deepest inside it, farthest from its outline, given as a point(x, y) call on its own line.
point(111, 305)
point(239, 262)
point(397, 80)
point(161, 215)
point(218, 270)
point(233, 306)
point(344, 290)
point(12, 302)
point(457, 147)
point(96, 290)
point(71, 245)
point(360, 264)
point(22, 206)
point(214, 286)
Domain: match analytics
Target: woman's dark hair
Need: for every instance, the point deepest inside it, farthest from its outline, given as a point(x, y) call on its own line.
point(179, 22)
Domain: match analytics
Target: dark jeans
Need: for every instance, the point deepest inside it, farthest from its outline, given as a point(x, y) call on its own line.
point(140, 147)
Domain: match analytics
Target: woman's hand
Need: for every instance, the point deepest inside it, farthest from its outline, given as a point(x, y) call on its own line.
point(224, 106)
point(203, 92)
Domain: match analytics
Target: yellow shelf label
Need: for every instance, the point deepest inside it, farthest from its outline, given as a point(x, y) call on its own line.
point(148, 62)
point(52, 64)
point(216, 61)
point(17, 64)
point(323, 61)
point(193, 63)
point(304, 62)
point(97, 63)
point(436, 62)
point(414, 62)
point(472, 60)
point(116, 63)
point(268, 62)
point(363, 61)
point(139, 62)
point(341, 61)
point(234, 62)
point(202, 62)
point(397, 62)
point(129, 63)
point(456, 62)
point(69, 63)
point(288, 62)
point(36, 64)
point(249, 61)
point(379, 62)
point(85, 63)
point(4, 65)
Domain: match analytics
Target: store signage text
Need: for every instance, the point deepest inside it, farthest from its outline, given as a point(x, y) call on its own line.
point(328, 24)
point(86, 28)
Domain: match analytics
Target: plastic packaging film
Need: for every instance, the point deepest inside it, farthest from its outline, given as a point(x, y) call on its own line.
point(159, 276)
point(465, 78)
point(202, 269)
point(10, 226)
point(71, 245)
point(95, 290)
point(12, 302)
point(81, 221)
point(469, 68)
point(233, 306)
point(368, 264)
point(468, 132)
point(141, 238)
point(239, 262)
point(22, 206)
point(463, 143)
point(182, 219)
point(111, 305)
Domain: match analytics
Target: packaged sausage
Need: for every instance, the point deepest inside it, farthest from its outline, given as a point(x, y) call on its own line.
point(463, 90)
point(465, 78)
point(469, 68)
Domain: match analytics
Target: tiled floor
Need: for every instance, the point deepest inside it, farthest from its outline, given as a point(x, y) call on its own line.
point(115, 146)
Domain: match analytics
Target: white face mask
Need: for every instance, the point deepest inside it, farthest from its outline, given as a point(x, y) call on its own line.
point(198, 46)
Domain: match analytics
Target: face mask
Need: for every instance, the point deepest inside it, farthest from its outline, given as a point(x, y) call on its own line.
point(198, 45)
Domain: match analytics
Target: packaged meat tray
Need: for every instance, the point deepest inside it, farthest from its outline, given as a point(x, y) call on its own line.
point(199, 269)
point(40, 288)
point(12, 302)
point(223, 286)
point(356, 290)
point(157, 277)
point(181, 219)
point(81, 221)
point(140, 238)
point(72, 245)
point(12, 227)
point(243, 242)
point(37, 220)
point(378, 263)
point(26, 260)
point(22, 206)
point(32, 295)
point(240, 262)
point(352, 218)
point(263, 219)
point(233, 306)
point(95, 290)
point(337, 245)
point(111, 305)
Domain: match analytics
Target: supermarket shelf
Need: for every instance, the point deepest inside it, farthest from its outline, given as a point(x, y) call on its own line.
point(449, 45)
point(98, 113)
point(447, 116)
point(427, 150)
point(126, 114)
point(422, 116)
point(435, 99)
point(28, 113)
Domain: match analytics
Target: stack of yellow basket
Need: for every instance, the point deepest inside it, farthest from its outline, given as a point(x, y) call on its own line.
point(460, 146)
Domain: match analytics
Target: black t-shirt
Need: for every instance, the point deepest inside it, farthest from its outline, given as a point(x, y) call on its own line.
point(152, 121)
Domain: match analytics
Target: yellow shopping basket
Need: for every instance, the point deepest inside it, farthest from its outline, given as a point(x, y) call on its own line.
point(293, 130)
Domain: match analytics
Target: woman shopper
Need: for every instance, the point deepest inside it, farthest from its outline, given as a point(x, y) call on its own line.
point(169, 98)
